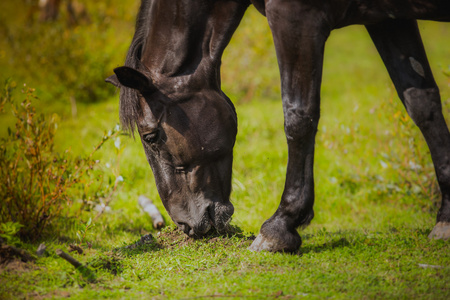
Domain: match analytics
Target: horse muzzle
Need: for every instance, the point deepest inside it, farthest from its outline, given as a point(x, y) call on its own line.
point(216, 215)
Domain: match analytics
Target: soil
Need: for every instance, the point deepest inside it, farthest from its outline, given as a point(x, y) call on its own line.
point(174, 238)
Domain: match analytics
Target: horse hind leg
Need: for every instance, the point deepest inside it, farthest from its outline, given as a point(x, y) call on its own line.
point(400, 46)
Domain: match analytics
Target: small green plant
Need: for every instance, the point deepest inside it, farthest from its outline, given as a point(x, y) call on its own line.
point(8, 232)
point(37, 184)
point(83, 231)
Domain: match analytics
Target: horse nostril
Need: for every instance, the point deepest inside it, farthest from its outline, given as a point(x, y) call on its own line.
point(191, 233)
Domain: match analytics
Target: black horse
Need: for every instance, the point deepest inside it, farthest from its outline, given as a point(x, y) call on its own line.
point(171, 91)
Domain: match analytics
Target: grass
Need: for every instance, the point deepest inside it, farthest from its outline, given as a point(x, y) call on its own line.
point(369, 236)
point(341, 264)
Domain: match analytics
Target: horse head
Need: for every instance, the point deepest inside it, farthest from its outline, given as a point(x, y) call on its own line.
point(188, 141)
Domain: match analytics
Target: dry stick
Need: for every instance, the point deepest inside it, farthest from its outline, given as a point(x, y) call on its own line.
point(150, 208)
point(69, 258)
point(85, 271)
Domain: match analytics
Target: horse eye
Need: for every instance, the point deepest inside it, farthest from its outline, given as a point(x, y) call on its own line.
point(180, 169)
point(151, 137)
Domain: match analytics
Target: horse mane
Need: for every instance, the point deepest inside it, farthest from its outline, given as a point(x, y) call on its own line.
point(129, 108)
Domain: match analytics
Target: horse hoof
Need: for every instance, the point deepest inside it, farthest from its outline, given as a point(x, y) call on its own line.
point(441, 231)
point(262, 243)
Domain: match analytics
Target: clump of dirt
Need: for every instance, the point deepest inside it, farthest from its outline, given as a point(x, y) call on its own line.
point(172, 237)
point(75, 248)
point(145, 240)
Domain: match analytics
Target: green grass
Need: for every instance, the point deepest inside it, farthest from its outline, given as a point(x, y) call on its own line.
point(369, 235)
point(339, 264)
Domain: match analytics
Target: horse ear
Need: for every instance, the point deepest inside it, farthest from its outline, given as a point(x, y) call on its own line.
point(134, 79)
point(113, 80)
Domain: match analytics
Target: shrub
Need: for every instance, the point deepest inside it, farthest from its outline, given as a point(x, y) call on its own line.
point(37, 184)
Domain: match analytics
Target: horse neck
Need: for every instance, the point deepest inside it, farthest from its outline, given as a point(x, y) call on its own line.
point(186, 40)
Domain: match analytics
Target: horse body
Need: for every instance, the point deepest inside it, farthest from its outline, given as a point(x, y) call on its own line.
point(170, 90)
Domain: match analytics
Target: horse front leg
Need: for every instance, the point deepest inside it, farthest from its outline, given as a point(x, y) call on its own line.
point(400, 46)
point(299, 43)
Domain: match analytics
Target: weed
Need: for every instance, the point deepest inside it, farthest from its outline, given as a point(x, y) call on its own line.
point(83, 231)
point(37, 184)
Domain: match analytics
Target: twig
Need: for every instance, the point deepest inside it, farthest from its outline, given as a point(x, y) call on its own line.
point(68, 258)
point(150, 208)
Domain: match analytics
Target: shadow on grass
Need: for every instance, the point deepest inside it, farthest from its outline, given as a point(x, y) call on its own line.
point(324, 240)
point(333, 244)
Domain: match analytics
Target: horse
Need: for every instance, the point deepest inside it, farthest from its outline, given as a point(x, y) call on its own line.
point(170, 90)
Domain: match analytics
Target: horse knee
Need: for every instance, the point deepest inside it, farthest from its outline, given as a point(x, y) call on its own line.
point(300, 126)
point(422, 105)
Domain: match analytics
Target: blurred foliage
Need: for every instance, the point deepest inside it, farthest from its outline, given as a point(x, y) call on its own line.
point(249, 69)
point(37, 184)
point(67, 60)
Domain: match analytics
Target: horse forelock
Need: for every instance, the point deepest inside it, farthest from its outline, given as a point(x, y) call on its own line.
point(129, 98)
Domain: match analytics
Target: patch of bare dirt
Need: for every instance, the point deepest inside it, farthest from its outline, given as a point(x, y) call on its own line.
point(10, 253)
point(54, 294)
point(15, 260)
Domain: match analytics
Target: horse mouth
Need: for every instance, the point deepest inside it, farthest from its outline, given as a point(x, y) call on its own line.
point(216, 217)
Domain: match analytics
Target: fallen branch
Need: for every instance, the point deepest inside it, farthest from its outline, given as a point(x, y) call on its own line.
point(150, 208)
point(68, 258)
point(85, 271)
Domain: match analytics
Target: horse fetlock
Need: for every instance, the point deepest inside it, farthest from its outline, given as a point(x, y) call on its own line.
point(443, 172)
point(443, 214)
point(305, 219)
point(422, 104)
